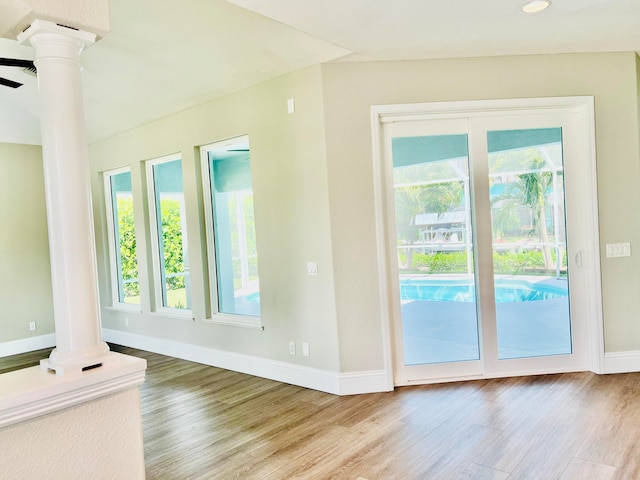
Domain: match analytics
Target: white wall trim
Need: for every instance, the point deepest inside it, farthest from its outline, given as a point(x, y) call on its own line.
point(30, 344)
point(314, 378)
point(474, 108)
point(622, 362)
point(353, 383)
point(381, 246)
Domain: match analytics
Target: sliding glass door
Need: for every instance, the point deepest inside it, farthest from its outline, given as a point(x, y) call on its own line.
point(531, 287)
point(477, 246)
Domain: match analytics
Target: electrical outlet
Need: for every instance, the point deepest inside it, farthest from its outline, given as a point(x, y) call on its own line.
point(305, 349)
point(312, 268)
point(33, 326)
point(292, 348)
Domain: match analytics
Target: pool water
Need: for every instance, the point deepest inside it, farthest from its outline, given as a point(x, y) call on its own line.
point(464, 290)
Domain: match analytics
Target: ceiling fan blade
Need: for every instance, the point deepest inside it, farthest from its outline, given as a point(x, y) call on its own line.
point(9, 83)
point(16, 62)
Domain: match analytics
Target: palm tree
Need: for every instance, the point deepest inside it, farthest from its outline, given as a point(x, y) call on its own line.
point(408, 205)
point(530, 190)
point(415, 199)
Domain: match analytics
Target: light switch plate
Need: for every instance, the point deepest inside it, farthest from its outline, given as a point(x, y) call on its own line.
point(618, 250)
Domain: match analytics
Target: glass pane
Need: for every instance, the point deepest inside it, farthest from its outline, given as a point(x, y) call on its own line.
point(435, 249)
point(234, 230)
point(172, 234)
point(526, 177)
point(124, 238)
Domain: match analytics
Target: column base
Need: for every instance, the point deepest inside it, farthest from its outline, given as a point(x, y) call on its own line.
point(76, 362)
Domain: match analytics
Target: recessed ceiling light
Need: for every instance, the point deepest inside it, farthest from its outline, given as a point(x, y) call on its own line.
point(535, 6)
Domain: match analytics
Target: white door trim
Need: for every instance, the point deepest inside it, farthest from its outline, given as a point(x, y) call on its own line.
point(582, 106)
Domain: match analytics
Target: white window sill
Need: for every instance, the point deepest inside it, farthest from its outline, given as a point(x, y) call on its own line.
point(173, 313)
point(242, 321)
point(124, 307)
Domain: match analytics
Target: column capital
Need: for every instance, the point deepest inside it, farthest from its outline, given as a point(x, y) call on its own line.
point(52, 31)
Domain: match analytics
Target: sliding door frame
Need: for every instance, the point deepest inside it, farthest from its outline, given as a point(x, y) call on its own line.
point(589, 261)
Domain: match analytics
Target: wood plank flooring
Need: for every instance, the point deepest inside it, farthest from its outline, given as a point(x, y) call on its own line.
point(206, 423)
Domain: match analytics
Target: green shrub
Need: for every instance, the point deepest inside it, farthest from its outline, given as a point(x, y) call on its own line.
point(508, 262)
point(172, 242)
point(128, 260)
point(440, 262)
point(518, 262)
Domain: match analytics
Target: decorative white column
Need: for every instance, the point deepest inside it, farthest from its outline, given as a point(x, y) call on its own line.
point(67, 187)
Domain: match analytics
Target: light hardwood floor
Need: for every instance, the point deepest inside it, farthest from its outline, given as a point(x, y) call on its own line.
point(203, 422)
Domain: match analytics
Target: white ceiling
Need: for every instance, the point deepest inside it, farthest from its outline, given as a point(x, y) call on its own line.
point(163, 56)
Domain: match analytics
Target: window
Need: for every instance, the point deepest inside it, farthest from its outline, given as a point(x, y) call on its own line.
point(169, 233)
point(231, 232)
point(125, 285)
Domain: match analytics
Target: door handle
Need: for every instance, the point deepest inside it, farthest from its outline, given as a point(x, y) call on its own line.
point(578, 259)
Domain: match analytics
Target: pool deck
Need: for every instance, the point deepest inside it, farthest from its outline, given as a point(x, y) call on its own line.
point(438, 331)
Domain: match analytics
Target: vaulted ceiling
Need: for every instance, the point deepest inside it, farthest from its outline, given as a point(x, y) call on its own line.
point(164, 56)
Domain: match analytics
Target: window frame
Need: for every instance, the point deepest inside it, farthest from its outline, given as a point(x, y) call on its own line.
point(216, 316)
point(115, 273)
point(157, 262)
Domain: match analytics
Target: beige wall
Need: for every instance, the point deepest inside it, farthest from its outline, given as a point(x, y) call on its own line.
point(291, 212)
point(25, 279)
point(98, 439)
point(314, 199)
point(351, 88)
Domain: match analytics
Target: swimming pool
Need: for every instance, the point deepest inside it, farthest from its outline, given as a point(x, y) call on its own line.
point(507, 290)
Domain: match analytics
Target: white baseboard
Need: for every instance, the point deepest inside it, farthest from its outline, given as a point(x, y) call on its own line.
point(316, 379)
point(354, 383)
point(30, 344)
point(622, 362)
